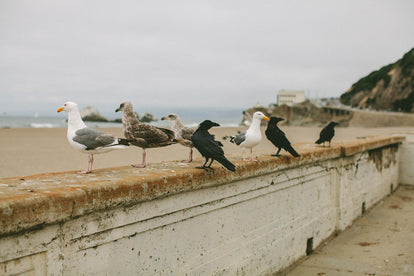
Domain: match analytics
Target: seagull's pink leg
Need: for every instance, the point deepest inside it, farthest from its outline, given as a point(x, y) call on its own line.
point(90, 162)
point(244, 155)
point(90, 170)
point(251, 156)
point(190, 158)
point(144, 154)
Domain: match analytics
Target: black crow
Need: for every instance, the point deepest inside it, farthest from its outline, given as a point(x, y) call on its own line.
point(278, 138)
point(327, 133)
point(209, 148)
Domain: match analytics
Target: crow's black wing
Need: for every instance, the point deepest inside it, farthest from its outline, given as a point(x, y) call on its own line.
point(206, 145)
point(326, 135)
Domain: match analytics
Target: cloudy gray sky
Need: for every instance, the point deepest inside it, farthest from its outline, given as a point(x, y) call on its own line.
point(191, 53)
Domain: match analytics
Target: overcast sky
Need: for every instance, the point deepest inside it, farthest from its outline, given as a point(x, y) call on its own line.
point(191, 53)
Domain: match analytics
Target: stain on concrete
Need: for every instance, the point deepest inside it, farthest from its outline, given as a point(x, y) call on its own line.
point(367, 243)
point(383, 157)
point(406, 198)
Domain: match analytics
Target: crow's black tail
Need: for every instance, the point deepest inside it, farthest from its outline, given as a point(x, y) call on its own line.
point(319, 141)
point(226, 163)
point(292, 151)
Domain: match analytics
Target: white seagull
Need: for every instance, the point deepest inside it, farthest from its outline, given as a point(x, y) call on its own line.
point(251, 137)
point(181, 133)
point(87, 140)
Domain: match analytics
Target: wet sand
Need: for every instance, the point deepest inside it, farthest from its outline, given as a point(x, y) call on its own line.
point(29, 151)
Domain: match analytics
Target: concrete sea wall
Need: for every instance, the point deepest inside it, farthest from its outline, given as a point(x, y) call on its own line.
point(173, 219)
point(407, 160)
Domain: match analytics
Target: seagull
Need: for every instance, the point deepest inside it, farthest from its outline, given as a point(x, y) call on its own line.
point(247, 118)
point(251, 137)
point(278, 138)
point(181, 133)
point(209, 148)
point(327, 133)
point(88, 140)
point(143, 135)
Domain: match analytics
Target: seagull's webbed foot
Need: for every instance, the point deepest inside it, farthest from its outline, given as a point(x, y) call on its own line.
point(250, 160)
point(84, 172)
point(251, 157)
point(90, 163)
point(190, 159)
point(144, 163)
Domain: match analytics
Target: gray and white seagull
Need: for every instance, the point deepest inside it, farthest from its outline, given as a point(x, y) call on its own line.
point(181, 133)
point(87, 140)
point(143, 135)
point(251, 137)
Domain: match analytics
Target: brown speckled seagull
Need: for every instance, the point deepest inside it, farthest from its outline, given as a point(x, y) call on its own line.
point(143, 135)
point(182, 133)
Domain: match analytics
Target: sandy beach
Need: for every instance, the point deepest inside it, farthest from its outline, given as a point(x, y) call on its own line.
point(28, 151)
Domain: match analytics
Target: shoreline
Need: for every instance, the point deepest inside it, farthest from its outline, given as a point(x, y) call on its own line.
point(29, 151)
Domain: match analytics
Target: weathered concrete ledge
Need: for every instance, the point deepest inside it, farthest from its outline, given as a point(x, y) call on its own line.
point(55, 197)
point(171, 218)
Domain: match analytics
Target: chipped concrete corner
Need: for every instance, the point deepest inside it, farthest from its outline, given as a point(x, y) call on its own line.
point(172, 218)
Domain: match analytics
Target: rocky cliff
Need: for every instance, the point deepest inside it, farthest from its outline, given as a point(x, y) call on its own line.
point(389, 88)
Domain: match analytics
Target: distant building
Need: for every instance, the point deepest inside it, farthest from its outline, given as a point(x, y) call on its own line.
point(290, 97)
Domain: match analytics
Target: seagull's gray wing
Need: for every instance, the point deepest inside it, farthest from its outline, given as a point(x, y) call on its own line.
point(239, 138)
point(93, 139)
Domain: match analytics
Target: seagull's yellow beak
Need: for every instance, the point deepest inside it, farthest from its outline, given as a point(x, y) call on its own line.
point(266, 118)
point(60, 109)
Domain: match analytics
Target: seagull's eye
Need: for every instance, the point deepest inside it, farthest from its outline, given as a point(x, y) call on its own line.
point(64, 105)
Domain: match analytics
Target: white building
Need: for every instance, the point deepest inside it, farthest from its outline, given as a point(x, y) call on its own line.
point(290, 97)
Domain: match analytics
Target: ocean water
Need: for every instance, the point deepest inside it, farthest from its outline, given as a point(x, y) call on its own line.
point(44, 122)
point(189, 117)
